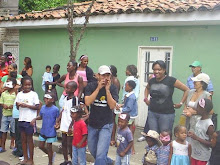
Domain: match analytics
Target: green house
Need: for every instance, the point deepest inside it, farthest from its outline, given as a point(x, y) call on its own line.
point(123, 32)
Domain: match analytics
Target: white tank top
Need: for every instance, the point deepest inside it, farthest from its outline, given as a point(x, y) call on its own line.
point(180, 149)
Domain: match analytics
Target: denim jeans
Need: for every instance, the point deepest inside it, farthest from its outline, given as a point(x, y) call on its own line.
point(160, 122)
point(98, 143)
point(79, 156)
point(122, 160)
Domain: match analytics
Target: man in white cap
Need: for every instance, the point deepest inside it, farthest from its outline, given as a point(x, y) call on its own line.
point(102, 97)
point(196, 67)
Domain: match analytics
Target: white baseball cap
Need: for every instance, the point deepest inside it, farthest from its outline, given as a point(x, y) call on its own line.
point(202, 77)
point(104, 69)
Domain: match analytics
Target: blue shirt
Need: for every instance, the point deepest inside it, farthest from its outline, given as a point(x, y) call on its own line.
point(130, 105)
point(15, 112)
point(190, 84)
point(124, 137)
point(163, 155)
point(49, 116)
point(136, 89)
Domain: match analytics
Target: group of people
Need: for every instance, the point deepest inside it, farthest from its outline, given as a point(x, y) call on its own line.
point(89, 114)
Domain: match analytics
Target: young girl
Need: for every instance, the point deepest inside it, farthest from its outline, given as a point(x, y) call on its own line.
point(27, 103)
point(153, 141)
point(80, 134)
point(204, 129)
point(164, 150)
point(180, 149)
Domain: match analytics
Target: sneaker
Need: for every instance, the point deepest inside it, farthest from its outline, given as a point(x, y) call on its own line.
point(21, 158)
point(140, 139)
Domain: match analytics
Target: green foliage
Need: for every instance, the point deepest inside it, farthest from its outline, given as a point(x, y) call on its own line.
point(38, 5)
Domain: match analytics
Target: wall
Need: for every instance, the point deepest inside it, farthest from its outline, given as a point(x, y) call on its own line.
point(119, 46)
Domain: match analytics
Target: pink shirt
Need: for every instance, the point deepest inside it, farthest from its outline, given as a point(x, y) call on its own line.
point(68, 80)
point(82, 73)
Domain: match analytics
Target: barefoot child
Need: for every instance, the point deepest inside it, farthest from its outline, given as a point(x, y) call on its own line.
point(65, 120)
point(48, 113)
point(153, 141)
point(27, 103)
point(7, 100)
point(80, 134)
point(124, 140)
point(180, 149)
point(204, 129)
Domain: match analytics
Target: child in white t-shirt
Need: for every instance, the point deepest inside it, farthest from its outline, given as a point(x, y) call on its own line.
point(27, 103)
point(64, 121)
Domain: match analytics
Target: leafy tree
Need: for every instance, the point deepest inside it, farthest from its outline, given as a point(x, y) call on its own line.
point(38, 5)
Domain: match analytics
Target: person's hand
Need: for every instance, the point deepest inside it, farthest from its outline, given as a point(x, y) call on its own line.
point(70, 131)
point(187, 113)
point(118, 106)
point(23, 105)
point(112, 143)
point(147, 101)
point(101, 84)
point(177, 106)
point(192, 135)
point(108, 84)
point(5, 106)
point(33, 122)
point(57, 126)
point(122, 154)
point(78, 145)
point(10, 107)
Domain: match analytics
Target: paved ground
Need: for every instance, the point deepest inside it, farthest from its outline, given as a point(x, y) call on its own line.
point(41, 159)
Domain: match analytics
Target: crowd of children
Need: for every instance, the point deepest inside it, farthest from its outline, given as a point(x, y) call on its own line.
point(21, 108)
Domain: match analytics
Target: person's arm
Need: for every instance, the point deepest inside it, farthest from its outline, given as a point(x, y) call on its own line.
point(33, 107)
point(146, 93)
point(70, 129)
point(189, 152)
point(110, 101)
point(204, 142)
point(171, 153)
point(214, 139)
point(34, 120)
point(80, 81)
point(185, 89)
point(57, 125)
point(123, 153)
point(82, 141)
point(61, 80)
point(29, 71)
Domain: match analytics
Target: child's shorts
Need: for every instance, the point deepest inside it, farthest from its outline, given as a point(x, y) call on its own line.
point(48, 140)
point(6, 122)
point(26, 127)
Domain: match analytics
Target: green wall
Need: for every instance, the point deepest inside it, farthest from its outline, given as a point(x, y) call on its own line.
point(119, 46)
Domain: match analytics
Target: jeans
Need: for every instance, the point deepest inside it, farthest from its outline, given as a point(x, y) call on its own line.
point(160, 122)
point(79, 156)
point(8, 123)
point(122, 160)
point(98, 143)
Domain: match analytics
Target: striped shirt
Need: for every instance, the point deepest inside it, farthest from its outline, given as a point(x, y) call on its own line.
point(7, 99)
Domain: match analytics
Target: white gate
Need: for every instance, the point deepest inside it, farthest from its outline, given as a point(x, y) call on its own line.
point(146, 56)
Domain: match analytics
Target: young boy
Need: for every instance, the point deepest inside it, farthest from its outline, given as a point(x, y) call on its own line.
point(65, 120)
point(7, 100)
point(124, 140)
point(48, 113)
point(204, 129)
point(79, 137)
point(47, 77)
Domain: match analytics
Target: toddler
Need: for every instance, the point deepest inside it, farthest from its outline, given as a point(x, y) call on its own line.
point(180, 149)
point(47, 77)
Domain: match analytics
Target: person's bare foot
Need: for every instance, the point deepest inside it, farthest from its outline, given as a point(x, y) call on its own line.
point(30, 162)
point(23, 162)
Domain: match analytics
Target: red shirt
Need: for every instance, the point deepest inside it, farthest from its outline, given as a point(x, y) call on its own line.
point(79, 129)
point(3, 72)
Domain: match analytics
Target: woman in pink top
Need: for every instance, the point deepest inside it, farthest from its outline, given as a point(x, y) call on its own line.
point(71, 76)
point(81, 70)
